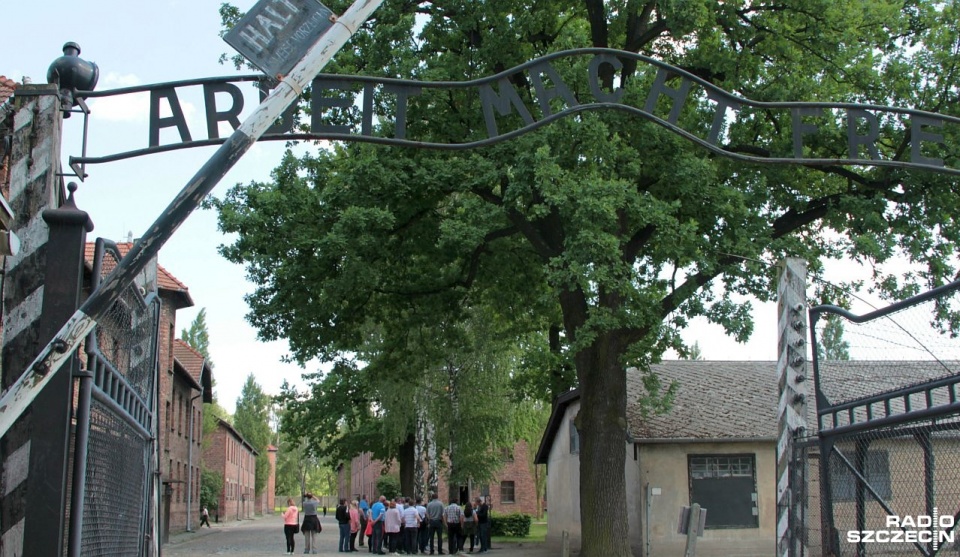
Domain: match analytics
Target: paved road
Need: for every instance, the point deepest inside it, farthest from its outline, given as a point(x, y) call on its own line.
point(264, 536)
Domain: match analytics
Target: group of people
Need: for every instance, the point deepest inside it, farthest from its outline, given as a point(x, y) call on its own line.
point(409, 527)
point(401, 526)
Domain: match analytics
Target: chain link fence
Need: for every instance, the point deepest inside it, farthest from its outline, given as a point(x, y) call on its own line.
point(116, 408)
point(884, 476)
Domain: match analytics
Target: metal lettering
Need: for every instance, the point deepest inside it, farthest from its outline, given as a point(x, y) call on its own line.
point(546, 94)
point(595, 88)
point(720, 116)
point(508, 97)
point(869, 140)
point(318, 103)
point(210, 105)
point(177, 119)
point(366, 126)
point(918, 135)
point(403, 93)
point(799, 128)
point(679, 95)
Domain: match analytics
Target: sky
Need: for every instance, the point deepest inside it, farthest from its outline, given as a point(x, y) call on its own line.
point(138, 43)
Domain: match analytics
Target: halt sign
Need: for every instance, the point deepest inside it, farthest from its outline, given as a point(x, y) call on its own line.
point(275, 34)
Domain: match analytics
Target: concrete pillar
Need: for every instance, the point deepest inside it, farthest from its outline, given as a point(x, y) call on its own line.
point(792, 408)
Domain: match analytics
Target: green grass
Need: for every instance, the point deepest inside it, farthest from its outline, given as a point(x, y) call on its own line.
point(538, 533)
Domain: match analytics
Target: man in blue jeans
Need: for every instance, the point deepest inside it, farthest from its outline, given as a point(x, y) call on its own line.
point(343, 520)
point(483, 524)
point(376, 515)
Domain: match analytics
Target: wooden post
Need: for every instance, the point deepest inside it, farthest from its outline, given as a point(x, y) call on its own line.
point(792, 408)
point(693, 529)
point(565, 544)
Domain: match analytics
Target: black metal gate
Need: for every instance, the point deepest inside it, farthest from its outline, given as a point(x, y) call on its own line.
point(113, 489)
point(886, 463)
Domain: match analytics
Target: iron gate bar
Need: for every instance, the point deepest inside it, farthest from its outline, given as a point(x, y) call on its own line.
point(887, 396)
point(50, 359)
point(916, 415)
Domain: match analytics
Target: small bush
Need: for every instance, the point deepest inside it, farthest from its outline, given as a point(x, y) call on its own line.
point(388, 486)
point(513, 525)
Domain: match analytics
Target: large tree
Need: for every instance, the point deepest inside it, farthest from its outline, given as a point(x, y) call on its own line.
point(613, 229)
point(252, 420)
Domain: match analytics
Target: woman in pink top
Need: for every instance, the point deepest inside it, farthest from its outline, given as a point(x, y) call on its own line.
point(354, 524)
point(391, 525)
point(291, 518)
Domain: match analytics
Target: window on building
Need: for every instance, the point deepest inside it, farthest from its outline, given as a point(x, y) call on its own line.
point(506, 454)
point(507, 493)
point(726, 484)
point(179, 414)
point(843, 483)
point(169, 417)
point(574, 439)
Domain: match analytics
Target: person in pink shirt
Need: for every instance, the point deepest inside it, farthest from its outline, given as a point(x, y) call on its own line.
point(354, 524)
point(291, 523)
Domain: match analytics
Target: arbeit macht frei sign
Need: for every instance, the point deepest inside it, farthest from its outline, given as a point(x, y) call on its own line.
point(506, 110)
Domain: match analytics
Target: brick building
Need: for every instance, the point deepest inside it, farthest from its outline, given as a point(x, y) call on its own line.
point(229, 454)
point(267, 500)
point(192, 385)
point(513, 489)
point(184, 384)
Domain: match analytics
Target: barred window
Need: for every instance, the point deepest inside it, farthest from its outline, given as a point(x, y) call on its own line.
point(721, 466)
point(726, 486)
point(507, 492)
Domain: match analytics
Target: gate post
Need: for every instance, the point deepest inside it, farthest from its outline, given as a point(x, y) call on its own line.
point(792, 408)
point(34, 186)
point(46, 520)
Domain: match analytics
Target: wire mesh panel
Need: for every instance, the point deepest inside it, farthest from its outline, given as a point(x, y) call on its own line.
point(117, 471)
point(889, 427)
point(116, 423)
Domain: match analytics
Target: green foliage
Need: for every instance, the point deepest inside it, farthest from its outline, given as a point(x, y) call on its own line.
point(212, 413)
point(252, 420)
point(211, 486)
point(831, 345)
point(514, 525)
point(198, 336)
point(422, 275)
point(388, 486)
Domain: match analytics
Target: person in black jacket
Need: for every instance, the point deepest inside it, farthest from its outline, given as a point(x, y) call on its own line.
point(343, 519)
point(483, 524)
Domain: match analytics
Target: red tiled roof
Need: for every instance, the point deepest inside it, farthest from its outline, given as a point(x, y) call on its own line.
point(190, 359)
point(165, 280)
point(7, 87)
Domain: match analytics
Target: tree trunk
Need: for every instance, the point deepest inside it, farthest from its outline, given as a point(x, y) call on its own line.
point(603, 436)
point(407, 459)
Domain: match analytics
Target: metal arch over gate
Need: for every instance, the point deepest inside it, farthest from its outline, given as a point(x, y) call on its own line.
point(506, 114)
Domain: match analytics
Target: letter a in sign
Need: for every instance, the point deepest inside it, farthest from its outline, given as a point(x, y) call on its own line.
point(274, 34)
